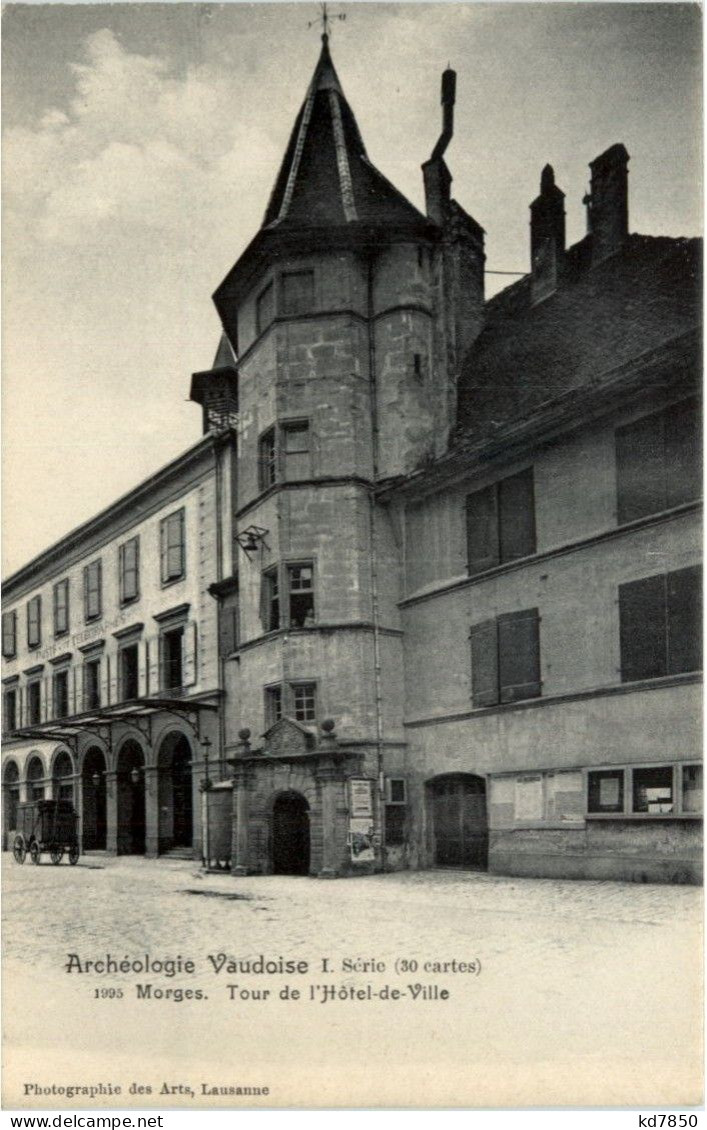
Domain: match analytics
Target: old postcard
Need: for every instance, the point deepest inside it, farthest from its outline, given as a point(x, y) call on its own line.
point(352, 545)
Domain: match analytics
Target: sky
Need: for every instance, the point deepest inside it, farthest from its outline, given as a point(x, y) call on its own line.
point(141, 142)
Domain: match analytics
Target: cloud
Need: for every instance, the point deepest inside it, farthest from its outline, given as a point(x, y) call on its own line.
point(137, 147)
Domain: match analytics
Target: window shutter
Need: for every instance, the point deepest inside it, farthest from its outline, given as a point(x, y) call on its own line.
point(683, 463)
point(642, 629)
point(189, 654)
point(75, 704)
point(685, 620)
point(153, 666)
point(516, 507)
point(482, 530)
point(484, 664)
point(143, 659)
point(163, 550)
point(20, 707)
point(45, 695)
point(105, 680)
point(639, 468)
point(519, 655)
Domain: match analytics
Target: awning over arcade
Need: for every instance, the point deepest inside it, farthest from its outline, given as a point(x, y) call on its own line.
point(136, 712)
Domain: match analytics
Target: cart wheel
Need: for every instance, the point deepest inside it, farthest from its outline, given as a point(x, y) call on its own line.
point(74, 854)
point(19, 848)
point(56, 854)
point(34, 852)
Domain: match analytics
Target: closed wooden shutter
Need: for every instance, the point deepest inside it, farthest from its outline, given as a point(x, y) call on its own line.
point(143, 659)
point(519, 655)
point(484, 664)
point(516, 507)
point(482, 530)
point(642, 629)
point(683, 462)
point(640, 468)
point(45, 696)
point(684, 597)
point(189, 669)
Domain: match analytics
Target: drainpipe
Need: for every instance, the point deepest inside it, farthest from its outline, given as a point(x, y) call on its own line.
point(374, 557)
point(221, 664)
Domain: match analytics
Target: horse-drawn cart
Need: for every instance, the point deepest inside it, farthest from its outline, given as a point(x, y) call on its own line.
point(46, 825)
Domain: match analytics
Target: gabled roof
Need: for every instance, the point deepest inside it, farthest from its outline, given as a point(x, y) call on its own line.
point(599, 319)
point(326, 177)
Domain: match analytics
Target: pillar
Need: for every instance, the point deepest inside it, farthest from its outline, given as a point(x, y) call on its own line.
point(152, 812)
point(111, 812)
point(329, 777)
point(241, 816)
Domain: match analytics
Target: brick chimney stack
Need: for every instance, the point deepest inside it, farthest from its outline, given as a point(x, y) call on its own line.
point(547, 236)
point(607, 202)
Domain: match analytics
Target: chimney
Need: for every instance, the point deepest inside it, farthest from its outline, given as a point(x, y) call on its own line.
point(547, 236)
point(437, 177)
point(607, 202)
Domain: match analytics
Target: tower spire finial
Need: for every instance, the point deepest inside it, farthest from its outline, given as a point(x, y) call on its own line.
point(325, 20)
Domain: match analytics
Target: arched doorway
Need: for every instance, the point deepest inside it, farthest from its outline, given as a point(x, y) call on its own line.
point(11, 797)
point(459, 823)
point(290, 835)
point(130, 784)
point(35, 779)
point(62, 778)
point(93, 792)
point(176, 800)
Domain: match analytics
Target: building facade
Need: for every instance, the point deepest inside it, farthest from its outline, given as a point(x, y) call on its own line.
point(440, 555)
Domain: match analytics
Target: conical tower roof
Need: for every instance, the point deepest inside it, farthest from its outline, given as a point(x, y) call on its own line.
point(326, 178)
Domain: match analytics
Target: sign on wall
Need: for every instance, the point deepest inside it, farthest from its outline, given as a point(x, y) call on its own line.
point(360, 797)
point(361, 839)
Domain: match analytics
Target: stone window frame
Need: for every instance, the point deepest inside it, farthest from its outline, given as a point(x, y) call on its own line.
point(273, 453)
point(626, 772)
point(10, 694)
point(290, 698)
point(34, 681)
point(62, 675)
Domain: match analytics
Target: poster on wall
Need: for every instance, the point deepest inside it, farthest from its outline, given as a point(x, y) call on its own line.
point(361, 840)
point(360, 797)
point(318, 467)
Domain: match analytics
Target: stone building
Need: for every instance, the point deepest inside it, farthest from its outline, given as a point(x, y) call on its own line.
point(446, 551)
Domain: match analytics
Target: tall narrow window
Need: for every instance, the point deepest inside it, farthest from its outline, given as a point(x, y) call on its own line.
point(300, 584)
point(34, 702)
point(500, 522)
point(505, 658)
point(9, 712)
point(296, 463)
point(61, 694)
point(172, 547)
point(61, 607)
point(270, 601)
point(129, 566)
point(660, 619)
point(172, 644)
point(34, 621)
point(267, 460)
point(297, 292)
point(92, 596)
point(9, 634)
point(265, 308)
point(129, 672)
point(658, 461)
point(304, 699)
point(273, 705)
point(92, 684)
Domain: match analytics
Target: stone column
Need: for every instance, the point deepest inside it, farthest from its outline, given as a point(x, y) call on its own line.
point(240, 851)
point(329, 777)
point(111, 812)
point(152, 812)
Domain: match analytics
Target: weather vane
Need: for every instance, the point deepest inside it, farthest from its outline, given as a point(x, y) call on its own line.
point(325, 18)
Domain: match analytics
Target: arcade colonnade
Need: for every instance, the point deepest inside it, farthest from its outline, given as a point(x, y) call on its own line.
point(133, 797)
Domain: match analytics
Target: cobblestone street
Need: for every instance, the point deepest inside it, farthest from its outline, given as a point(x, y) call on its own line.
point(588, 993)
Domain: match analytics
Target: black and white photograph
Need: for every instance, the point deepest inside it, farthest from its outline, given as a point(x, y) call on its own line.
point(352, 543)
